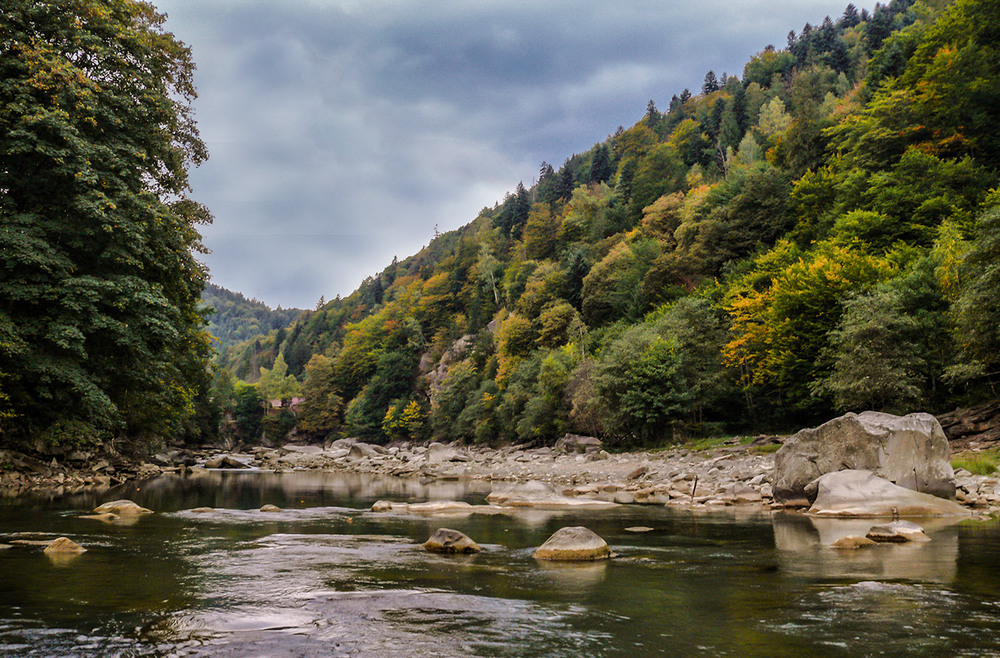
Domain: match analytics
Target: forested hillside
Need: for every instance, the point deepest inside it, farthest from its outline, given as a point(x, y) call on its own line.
point(232, 318)
point(818, 234)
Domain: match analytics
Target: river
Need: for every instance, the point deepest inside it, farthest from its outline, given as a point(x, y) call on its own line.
point(327, 577)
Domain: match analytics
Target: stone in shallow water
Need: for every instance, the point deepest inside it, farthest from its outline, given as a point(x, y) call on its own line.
point(270, 508)
point(573, 543)
point(852, 542)
point(446, 540)
point(639, 528)
point(897, 532)
point(64, 545)
point(122, 508)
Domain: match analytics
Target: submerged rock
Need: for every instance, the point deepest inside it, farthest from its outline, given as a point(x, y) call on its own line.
point(446, 540)
point(897, 532)
point(573, 543)
point(861, 493)
point(909, 451)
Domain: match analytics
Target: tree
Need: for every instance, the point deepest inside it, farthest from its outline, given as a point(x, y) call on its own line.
point(99, 288)
point(276, 383)
point(711, 83)
point(323, 405)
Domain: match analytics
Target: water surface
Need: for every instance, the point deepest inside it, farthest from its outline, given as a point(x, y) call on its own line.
point(326, 577)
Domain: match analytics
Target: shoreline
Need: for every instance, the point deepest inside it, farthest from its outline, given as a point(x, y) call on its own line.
point(725, 475)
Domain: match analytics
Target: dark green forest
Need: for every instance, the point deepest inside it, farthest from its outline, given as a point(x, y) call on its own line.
point(818, 234)
point(232, 318)
point(102, 338)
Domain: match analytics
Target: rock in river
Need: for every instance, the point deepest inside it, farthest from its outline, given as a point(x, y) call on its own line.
point(897, 532)
point(64, 545)
point(573, 543)
point(446, 540)
point(861, 493)
point(124, 508)
point(909, 451)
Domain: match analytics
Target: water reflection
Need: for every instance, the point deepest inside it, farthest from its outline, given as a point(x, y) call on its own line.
point(327, 577)
point(803, 544)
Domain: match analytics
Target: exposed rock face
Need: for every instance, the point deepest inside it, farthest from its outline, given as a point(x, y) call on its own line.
point(861, 493)
point(123, 508)
point(910, 451)
point(573, 543)
point(897, 532)
point(446, 540)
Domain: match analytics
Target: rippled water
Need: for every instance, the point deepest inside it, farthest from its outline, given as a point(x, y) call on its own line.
point(326, 577)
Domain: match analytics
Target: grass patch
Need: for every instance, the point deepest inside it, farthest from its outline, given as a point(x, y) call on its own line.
point(977, 463)
point(766, 449)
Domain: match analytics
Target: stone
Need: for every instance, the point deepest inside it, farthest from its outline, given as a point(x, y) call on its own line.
point(639, 528)
point(852, 542)
point(862, 494)
point(573, 543)
point(446, 540)
point(578, 444)
point(64, 545)
point(741, 494)
point(122, 508)
point(225, 461)
point(270, 508)
point(538, 495)
point(897, 532)
point(201, 510)
point(909, 451)
point(383, 506)
point(638, 472)
point(359, 450)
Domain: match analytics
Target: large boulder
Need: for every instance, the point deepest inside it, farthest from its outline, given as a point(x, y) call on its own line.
point(854, 493)
point(573, 543)
point(446, 540)
point(910, 451)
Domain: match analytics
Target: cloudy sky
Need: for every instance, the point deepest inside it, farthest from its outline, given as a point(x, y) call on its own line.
point(341, 132)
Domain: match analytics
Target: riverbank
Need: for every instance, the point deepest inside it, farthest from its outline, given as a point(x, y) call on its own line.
point(708, 474)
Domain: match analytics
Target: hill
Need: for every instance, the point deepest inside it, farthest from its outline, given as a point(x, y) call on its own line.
point(235, 319)
point(816, 235)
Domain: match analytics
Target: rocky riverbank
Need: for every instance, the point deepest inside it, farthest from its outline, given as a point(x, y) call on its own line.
point(577, 467)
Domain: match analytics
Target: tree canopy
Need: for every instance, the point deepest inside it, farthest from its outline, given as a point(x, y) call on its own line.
point(100, 330)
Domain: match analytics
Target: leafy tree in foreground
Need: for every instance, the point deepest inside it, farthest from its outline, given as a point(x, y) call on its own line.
point(99, 289)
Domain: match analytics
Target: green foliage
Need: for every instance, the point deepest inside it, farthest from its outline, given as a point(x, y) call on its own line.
point(99, 291)
point(767, 252)
point(248, 412)
point(233, 318)
point(890, 347)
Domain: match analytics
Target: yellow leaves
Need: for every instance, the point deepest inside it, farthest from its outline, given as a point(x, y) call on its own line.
point(782, 309)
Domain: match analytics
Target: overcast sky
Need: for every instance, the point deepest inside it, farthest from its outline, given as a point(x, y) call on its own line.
point(341, 132)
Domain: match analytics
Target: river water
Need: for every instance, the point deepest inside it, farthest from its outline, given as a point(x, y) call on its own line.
point(327, 577)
